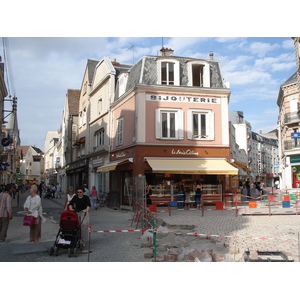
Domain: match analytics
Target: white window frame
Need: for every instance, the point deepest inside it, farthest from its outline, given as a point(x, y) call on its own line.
point(176, 71)
point(209, 128)
point(206, 72)
point(99, 137)
point(122, 83)
point(179, 132)
point(119, 133)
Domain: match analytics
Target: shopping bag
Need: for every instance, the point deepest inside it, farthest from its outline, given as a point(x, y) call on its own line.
point(28, 220)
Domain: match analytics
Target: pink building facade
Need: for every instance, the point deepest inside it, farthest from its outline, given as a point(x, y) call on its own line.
point(169, 122)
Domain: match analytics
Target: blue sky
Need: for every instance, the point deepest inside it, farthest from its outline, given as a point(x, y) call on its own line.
point(44, 69)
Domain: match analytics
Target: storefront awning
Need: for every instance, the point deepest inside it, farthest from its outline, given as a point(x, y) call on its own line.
point(242, 166)
point(111, 166)
point(192, 166)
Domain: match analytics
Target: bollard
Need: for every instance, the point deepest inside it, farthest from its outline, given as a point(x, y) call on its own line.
point(236, 208)
point(154, 240)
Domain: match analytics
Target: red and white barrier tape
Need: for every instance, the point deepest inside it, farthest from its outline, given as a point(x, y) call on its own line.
point(194, 234)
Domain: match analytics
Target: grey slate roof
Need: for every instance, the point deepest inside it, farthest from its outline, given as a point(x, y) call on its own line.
point(292, 79)
point(91, 65)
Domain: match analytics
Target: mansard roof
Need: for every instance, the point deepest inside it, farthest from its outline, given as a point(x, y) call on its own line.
point(292, 79)
point(145, 71)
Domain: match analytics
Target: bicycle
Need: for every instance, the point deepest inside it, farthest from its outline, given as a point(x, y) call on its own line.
point(104, 199)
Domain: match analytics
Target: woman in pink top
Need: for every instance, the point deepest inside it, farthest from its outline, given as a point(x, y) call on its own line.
point(93, 195)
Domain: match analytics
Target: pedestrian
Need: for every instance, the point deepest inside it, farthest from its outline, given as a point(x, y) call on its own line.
point(69, 197)
point(81, 204)
point(33, 206)
point(198, 194)
point(86, 190)
point(148, 194)
point(94, 196)
point(58, 191)
point(41, 189)
point(52, 190)
point(181, 195)
point(5, 211)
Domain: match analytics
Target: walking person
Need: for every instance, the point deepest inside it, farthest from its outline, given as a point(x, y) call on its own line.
point(69, 197)
point(58, 191)
point(181, 195)
point(94, 196)
point(148, 194)
point(33, 206)
point(198, 194)
point(81, 205)
point(5, 211)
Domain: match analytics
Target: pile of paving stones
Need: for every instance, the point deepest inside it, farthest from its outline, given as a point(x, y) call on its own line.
point(172, 246)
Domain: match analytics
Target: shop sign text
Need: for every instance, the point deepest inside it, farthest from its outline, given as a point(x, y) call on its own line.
point(183, 152)
point(175, 98)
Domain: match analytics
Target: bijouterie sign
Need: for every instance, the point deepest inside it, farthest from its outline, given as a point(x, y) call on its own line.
point(176, 98)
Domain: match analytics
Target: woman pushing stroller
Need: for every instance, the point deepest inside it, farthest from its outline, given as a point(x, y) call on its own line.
point(81, 204)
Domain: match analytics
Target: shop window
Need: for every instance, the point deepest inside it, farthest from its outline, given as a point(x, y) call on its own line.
point(119, 135)
point(200, 125)
point(169, 124)
point(168, 72)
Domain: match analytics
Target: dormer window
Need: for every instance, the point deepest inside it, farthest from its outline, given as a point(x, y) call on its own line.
point(168, 72)
point(198, 73)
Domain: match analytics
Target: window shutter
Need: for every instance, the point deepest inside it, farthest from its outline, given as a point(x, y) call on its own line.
point(180, 125)
point(211, 122)
point(157, 124)
point(190, 124)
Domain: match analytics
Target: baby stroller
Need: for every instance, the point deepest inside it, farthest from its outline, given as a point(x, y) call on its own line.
point(69, 233)
point(48, 194)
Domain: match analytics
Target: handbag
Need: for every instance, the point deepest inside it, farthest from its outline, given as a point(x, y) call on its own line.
point(28, 220)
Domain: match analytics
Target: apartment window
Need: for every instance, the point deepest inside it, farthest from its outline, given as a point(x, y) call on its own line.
point(119, 135)
point(169, 124)
point(198, 73)
point(201, 125)
point(99, 137)
point(168, 72)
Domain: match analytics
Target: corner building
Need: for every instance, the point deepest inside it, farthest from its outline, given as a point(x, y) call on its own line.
point(169, 122)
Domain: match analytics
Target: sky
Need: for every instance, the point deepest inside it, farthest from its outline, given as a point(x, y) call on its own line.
point(42, 69)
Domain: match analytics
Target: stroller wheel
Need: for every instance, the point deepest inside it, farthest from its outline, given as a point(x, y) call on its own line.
point(75, 252)
point(70, 252)
point(56, 251)
point(51, 251)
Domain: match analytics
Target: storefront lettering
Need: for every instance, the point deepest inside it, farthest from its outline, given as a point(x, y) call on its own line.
point(189, 99)
point(120, 154)
point(183, 152)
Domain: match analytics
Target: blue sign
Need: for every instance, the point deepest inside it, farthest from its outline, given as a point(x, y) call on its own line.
point(57, 159)
point(276, 166)
point(295, 135)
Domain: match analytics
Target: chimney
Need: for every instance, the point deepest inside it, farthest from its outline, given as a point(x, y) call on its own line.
point(166, 51)
point(115, 63)
point(211, 55)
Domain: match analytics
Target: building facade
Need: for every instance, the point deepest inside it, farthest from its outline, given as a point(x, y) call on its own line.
point(169, 122)
point(288, 131)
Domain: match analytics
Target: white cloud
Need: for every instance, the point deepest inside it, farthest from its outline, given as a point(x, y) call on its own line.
point(260, 49)
point(288, 44)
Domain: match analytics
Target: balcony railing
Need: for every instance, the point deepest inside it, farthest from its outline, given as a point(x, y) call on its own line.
point(291, 118)
point(291, 144)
